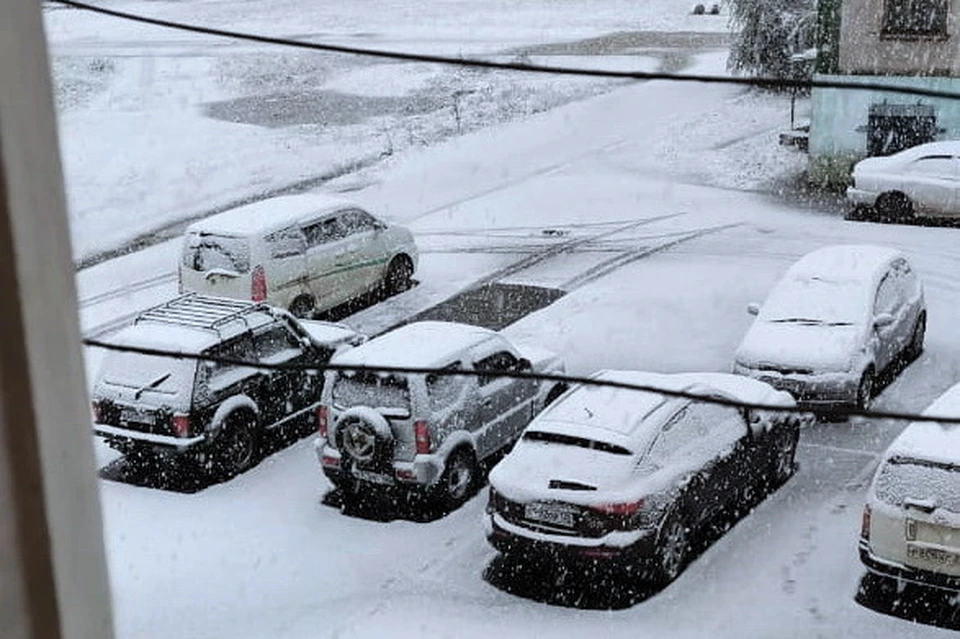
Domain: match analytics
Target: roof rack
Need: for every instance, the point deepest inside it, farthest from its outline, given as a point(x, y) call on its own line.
point(201, 311)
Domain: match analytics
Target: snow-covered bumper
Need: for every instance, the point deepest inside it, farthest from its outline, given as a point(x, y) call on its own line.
point(821, 389)
point(632, 546)
point(859, 197)
point(126, 440)
point(423, 471)
point(897, 570)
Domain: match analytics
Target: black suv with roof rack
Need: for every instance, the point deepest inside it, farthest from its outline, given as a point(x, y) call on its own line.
point(213, 411)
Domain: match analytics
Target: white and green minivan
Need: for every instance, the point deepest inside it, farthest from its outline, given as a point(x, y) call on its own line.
point(306, 253)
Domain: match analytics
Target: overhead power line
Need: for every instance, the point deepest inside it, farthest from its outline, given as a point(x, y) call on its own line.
point(546, 377)
point(478, 63)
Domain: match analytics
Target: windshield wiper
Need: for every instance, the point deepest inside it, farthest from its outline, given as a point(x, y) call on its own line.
point(796, 320)
point(152, 384)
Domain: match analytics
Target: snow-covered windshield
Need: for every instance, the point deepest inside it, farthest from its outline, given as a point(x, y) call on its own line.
point(148, 373)
point(905, 478)
point(370, 389)
point(207, 252)
point(817, 302)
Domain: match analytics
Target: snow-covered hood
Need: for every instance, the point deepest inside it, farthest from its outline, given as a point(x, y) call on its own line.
point(817, 348)
point(331, 334)
point(543, 359)
point(527, 472)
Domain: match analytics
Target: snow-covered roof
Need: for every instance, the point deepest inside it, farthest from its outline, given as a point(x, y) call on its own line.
point(419, 344)
point(944, 147)
point(931, 440)
point(269, 215)
point(183, 339)
point(843, 262)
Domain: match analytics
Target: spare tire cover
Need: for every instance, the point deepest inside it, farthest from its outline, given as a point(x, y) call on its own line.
point(363, 433)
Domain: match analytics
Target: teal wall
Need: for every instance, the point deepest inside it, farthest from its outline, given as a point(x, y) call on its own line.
point(836, 114)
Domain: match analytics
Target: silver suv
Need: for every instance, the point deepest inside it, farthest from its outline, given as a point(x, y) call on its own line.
point(427, 434)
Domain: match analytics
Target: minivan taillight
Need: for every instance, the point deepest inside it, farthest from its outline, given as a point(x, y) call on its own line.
point(322, 415)
point(421, 432)
point(258, 284)
point(181, 425)
point(865, 523)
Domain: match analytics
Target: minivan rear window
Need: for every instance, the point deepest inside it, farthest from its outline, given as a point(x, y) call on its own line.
point(370, 389)
point(208, 252)
point(907, 478)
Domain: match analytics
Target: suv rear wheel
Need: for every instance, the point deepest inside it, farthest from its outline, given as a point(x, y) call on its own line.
point(237, 446)
point(458, 480)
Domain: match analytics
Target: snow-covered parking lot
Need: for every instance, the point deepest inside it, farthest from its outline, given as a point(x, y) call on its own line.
point(647, 204)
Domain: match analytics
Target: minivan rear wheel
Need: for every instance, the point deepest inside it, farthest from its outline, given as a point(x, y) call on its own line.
point(399, 276)
point(303, 307)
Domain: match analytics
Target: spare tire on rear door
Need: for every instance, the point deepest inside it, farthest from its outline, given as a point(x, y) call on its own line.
point(364, 437)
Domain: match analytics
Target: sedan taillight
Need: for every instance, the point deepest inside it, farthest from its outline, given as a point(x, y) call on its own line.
point(604, 518)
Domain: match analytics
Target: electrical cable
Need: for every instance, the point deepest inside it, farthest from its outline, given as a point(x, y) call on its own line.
point(762, 82)
point(825, 412)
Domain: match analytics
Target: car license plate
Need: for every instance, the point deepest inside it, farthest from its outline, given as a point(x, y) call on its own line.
point(933, 555)
point(555, 514)
point(133, 416)
point(373, 477)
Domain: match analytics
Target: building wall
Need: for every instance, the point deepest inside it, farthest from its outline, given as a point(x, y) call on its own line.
point(838, 137)
point(865, 50)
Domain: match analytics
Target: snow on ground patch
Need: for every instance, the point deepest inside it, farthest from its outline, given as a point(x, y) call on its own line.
point(385, 79)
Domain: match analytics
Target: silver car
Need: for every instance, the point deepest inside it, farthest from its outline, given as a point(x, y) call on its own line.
point(427, 434)
point(837, 319)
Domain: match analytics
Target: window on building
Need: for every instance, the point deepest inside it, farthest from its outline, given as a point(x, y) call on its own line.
point(915, 17)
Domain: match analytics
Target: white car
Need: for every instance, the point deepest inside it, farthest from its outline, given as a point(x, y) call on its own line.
point(427, 434)
point(630, 478)
point(305, 253)
point(921, 180)
point(838, 318)
point(911, 520)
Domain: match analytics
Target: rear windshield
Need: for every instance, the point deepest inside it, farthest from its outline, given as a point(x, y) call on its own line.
point(904, 478)
point(148, 373)
point(370, 389)
point(569, 440)
point(207, 252)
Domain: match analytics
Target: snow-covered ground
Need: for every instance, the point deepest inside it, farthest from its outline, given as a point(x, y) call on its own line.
point(260, 556)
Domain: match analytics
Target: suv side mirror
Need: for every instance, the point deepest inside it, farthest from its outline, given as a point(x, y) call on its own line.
point(883, 320)
point(524, 364)
point(753, 308)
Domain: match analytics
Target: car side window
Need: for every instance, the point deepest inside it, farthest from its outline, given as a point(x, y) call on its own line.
point(501, 361)
point(217, 375)
point(323, 231)
point(933, 166)
point(445, 391)
point(678, 432)
point(287, 243)
point(356, 221)
point(887, 297)
point(276, 344)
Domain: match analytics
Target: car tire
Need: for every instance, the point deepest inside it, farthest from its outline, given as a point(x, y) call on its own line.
point(915, 347)
point(672, 549)
point(458, 481)
point(237, 446)
point(304, 307)
point(784, 459)
point(865, 389)
point(894, 207)
point(399, 277)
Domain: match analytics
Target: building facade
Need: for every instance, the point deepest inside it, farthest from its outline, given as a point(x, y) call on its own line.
point(912, 43)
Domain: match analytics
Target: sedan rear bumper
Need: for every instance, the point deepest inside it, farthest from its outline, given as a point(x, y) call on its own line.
point(897, 570)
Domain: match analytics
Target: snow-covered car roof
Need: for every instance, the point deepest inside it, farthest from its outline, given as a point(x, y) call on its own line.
point(417, 345)
point(269, 215)
point(183, 339)
point(930, 440)
point(330, 333)
point(945, 147)
point(628, 417)
point(843, 262)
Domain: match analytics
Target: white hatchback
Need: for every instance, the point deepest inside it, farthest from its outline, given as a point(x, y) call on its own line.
point(911, 520)
point(306, 253)
point(921, 180)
